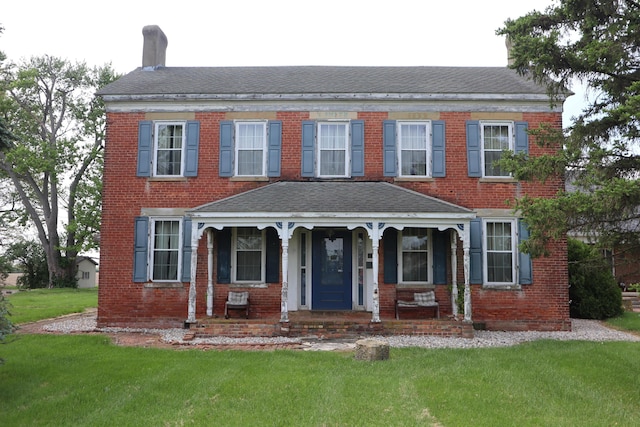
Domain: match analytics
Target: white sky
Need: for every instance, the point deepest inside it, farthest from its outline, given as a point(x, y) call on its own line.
point(267, 32)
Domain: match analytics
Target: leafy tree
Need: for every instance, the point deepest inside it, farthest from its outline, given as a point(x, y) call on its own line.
point(54, 164)
point(593, 290)
point(29, 257)
point(595, 42)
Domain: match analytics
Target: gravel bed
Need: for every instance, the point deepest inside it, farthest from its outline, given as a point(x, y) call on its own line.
point(587, 330)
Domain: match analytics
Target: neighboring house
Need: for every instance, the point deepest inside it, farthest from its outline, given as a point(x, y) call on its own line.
point(321, 188)
point(86, 274)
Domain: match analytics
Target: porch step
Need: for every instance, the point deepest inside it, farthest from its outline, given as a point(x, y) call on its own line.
point(631, 301)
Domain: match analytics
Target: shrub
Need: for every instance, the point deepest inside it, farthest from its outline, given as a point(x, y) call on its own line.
point(593, 290)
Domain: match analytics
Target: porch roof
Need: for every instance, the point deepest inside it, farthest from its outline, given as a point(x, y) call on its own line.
point(331, 197)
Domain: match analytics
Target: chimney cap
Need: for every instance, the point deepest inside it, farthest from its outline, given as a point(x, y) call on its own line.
point(154, 49)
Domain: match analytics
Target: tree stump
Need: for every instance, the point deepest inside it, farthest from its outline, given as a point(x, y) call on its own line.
point(371, 349)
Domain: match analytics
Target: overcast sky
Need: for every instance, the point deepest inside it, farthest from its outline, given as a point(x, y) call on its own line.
point(266, 32)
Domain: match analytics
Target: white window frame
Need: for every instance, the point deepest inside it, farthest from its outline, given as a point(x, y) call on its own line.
point(428, 148)
point(347, 149)
point(483, 150)
point(234, 257)
point(514, 250)
point(429, 260)
point(152, 248)
point(237, 149)
point(156, 148)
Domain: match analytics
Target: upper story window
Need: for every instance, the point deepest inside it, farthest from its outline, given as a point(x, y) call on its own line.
point(169, 143)
point(486, 143)
point(250, 148)
point(251, 145)
point(496, 137)
point(414, 149)
point(333, 156)
point(414, 143)
point(168, 149)
point(333, 149)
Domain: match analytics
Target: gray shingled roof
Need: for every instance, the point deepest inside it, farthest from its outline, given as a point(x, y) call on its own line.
point(323, 80)
point(331, 197)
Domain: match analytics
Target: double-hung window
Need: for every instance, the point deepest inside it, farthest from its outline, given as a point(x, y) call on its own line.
point(251, 146)
point(333, 153)
point(496, 137)
point(500, 252)
point(169, 139)
point(165, 249)
point(249, 255)
point(414, 147)
point(414, 255)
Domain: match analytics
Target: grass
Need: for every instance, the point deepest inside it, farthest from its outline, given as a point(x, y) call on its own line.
point(38, 304)
point(629, 321)
point(87, 381)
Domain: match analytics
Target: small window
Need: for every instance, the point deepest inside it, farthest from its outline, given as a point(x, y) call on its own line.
point(251, 147)
point(85, 275)
point(500, 251)
point(165, 251)
point(169, 143)
point(249, 255)
point(495, 138)
point(333, 149)
point(414, 255)
point(413, 148)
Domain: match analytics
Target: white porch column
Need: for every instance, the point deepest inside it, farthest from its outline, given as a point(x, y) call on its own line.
point(210, 273)
point(375, 315)
point(467, 288)
point(194, 264)
point(454, 274)
point(284, 297)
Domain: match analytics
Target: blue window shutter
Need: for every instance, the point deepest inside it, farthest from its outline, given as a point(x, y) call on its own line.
point(140, 249)
point(274, 149)
point(308, 148)
point(226, 148)
point(193, 140)
point(389, 146)
point(145, 147)
point(186, 249)
point(522, 137)
point(525, 272)
point(272, 273)
point(390, 253)
point(440, 252)
point(474, 150)
point(357, 148)
point(438, 149)
point(475, 252)
point(224, 255)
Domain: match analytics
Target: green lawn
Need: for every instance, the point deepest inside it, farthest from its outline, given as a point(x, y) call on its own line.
point(38, 304)
point(629, 321)
point(86, 381)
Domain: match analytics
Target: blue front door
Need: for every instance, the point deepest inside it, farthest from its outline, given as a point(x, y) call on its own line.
point(331, 287)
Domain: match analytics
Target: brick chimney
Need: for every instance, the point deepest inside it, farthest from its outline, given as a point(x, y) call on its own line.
point(154, 49)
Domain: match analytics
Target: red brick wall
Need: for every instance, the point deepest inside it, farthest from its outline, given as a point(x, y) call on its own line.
point(542, 305)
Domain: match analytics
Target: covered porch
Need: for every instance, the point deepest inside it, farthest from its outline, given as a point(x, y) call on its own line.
point(329, 256)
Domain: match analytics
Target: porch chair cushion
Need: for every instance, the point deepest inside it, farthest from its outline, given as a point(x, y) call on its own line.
point(425, 298)
point(237, 300)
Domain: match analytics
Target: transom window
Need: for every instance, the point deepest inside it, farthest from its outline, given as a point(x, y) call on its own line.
point(500, 251)
point(249, 255)
point(413, 141)
point(251, 145)
point(414, 258)
point(165, 262)
point(496, 137)
point(169, 143)
point(333, 144)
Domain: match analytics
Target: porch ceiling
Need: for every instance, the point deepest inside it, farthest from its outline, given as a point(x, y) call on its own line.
point(313, 199)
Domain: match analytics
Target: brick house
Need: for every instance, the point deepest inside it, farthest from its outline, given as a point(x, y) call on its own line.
point(321, 188)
